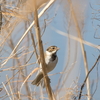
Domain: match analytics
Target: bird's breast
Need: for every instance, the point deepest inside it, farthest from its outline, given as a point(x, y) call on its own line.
point(51, 64)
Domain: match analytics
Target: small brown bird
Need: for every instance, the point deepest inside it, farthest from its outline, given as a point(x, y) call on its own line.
point(51, 60)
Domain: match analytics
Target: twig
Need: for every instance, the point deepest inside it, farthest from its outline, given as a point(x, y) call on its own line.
point(0, 18)
point(33, 42)
point(20, 69)
point(19, 95)
point(9, 80)
point(26, 32)
point(87, 77)
point(77, 39)
point(36, 69)
point(6, 91)
point(10, 87)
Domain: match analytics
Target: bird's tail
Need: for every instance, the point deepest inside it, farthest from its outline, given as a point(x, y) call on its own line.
point(42, 82)
point(39, 80)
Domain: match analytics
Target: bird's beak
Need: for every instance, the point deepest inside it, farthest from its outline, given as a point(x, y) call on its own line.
point(58, 48)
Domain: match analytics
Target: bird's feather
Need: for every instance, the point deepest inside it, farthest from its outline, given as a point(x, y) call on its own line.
point(51, 60)
point(37, 80)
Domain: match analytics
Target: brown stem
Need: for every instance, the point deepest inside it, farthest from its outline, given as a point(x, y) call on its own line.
point(41, 51)
point(0, 18)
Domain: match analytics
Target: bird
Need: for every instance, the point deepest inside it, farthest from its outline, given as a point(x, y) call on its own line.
point(51, 60)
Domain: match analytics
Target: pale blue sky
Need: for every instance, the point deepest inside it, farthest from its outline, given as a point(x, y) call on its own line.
point(51, 37)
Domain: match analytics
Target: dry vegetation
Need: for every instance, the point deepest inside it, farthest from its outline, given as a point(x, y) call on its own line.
point(21, 45)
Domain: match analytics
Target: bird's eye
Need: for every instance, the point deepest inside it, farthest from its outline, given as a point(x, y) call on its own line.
point(53, 48)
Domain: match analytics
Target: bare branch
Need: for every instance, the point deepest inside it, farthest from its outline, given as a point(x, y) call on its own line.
point(87, 77)
point(0, 18)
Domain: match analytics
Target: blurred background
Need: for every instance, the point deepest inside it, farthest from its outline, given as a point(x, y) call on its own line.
point(71, 25)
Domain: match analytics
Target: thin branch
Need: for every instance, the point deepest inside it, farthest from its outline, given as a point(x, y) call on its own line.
point(87, 77)
point(0, 18)
point(33, 42)
point(6, 91)
point(36, 69)
point(26, 32)
point(77, 39)
point(96, 82)
point(10, 87)
point(9, 80)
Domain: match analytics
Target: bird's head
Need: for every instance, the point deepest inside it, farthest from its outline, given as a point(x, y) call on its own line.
point(52, 50)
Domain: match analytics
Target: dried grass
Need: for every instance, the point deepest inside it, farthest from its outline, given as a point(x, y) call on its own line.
point(18, 61)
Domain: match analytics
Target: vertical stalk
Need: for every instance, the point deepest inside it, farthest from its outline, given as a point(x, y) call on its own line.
point(0, 18)
point(82, 48)
point(41, 51)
